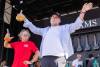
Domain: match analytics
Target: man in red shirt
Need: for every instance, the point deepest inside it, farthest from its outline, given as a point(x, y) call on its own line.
point(22, 49)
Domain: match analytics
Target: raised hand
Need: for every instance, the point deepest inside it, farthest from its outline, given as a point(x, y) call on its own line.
point(7, 37)
point(20, 17)
point(87, 7)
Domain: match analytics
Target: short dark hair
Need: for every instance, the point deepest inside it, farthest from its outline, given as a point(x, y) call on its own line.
point(56, 13)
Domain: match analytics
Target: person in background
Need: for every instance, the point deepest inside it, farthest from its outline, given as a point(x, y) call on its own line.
point(56, 44)
point(3, 64)
point(92, 61)
point(78, 61)
point(22, 49)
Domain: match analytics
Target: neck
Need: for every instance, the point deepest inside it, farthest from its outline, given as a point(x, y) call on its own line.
point(23, 40)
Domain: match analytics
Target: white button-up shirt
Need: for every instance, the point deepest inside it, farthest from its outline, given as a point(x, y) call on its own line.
point(61, 37)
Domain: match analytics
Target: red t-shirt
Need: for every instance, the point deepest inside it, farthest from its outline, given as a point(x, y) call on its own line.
point(22, 52)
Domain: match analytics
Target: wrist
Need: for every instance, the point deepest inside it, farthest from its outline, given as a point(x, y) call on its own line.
point(83, 12)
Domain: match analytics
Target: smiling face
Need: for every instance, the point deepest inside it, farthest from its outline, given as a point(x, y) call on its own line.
point(55, 20)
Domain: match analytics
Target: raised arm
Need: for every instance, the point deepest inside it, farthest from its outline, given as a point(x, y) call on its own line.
point(33, 28)
point(7, 39)
point(78, 23)
point(36, 30)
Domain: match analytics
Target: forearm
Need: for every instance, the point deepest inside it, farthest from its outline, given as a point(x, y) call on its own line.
point(35, 57)
point(81, 16)
point(32, 27)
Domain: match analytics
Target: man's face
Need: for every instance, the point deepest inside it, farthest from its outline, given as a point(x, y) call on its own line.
point(24, 36)
point(55, 20)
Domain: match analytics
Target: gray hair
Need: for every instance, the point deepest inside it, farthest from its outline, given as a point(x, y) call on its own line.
point(23, 30)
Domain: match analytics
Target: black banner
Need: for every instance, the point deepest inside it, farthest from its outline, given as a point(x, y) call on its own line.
point(91, 23)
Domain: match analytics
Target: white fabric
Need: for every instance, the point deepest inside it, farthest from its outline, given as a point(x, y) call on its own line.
point(64, 35)
point(52, 43)
point(76, 62)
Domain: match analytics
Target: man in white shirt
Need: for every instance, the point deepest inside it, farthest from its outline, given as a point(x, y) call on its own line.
point(56, 44)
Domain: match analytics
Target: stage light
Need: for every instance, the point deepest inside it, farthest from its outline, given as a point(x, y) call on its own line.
point(21, 2)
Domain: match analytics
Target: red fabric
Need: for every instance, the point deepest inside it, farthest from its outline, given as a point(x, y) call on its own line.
point(22, 52)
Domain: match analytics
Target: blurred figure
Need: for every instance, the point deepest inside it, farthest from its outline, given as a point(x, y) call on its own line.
point(92, 61)
point(3, 64)
point(37, 64)
point(78, 61)
point(56, 46)
point(22, 49)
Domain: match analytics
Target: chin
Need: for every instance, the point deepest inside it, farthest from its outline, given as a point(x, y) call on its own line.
point(24, 40)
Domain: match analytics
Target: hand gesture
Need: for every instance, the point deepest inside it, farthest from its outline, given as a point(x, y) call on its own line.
point(7, 37)
point(20, 17)
point(87, 7)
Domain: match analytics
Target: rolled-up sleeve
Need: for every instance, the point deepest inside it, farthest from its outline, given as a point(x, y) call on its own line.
point(32, 27)
point(75, 26)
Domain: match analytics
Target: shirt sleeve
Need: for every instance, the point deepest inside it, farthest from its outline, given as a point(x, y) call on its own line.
point(33, 47)
point(74, 26)
point(33, 28)
point(13, 45)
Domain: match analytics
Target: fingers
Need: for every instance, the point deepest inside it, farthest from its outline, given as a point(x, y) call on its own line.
point(7, 35)
point(27, 62)
point(90, 5)
point(8, 39)
point(85, 3)
point(24, 62)
point(87, 7)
